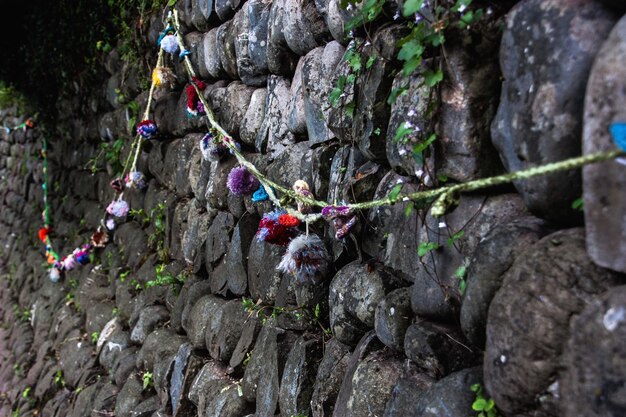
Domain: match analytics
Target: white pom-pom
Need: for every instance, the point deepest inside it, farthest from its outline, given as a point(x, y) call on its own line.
point(169, 44)
point(55, 274)
point(306, 259)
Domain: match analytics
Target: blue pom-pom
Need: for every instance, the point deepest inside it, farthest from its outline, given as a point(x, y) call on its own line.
point(618, 131)
point(260, 195)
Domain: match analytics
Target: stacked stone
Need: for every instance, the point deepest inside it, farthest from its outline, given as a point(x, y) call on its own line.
point(539, 324)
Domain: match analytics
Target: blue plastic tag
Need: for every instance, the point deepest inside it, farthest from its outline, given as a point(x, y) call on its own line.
point(618, 131)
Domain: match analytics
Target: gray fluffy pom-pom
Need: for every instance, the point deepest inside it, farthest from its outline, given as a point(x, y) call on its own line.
point(306, 259)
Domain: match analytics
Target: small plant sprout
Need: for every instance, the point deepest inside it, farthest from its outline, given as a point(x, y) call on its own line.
point(483, 406)
point(147, 379)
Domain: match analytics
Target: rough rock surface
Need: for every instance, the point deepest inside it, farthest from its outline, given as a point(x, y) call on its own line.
point(539, 116)
point(605, 100)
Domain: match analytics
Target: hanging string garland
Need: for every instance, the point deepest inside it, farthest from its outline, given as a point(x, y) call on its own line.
point(344, 218)
point(130, 178)
point(306, 257)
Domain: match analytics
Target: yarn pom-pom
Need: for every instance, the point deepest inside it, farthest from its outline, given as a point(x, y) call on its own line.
point(241, 181)
point(116, 184)
point(271, 231)
point(306, 259)
point(99, 238)
point(110, 223)
point(43, 234)
point(194, 105)
point(288, 220)
point(212, 148)
point(163, 77)
point(82, 257)
point(69, 262)
point(342, 218)
point(169, 43)
point(54, 274)
point(330, 212)
point(147, 129)
point(118, 208)
point(260, 195)
point(135, 179)
point(301, 188)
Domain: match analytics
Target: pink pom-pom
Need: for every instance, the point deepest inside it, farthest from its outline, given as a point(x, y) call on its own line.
point(118, 208)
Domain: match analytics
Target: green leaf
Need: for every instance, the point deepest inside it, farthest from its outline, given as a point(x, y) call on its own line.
point(395, 191)
point(432, 78)
point(475, 387)
point(421, 147)
point(401, 132)
point(462, 286)
point(455, 237)
point(350, 109)
point(171, 3)
point(460, 271)
point(333, 97)
point(490, 404)
point(578, 204)
point(479, 404)
point(411, 65)
point(355, 62)
point(410, 49)
point(408, 209)
point(411, 7)
point(426, 247)
point(395, 93)
point(370, 62)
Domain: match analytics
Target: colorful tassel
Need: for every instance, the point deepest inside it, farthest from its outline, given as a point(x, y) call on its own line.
point(241, 181)
point(306, 259)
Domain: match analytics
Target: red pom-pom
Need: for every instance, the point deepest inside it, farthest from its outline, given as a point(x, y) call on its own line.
point(43, 234)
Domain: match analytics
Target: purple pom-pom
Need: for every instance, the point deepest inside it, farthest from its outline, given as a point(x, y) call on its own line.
point(241, 181)
point(118, 208)
point(135, 179)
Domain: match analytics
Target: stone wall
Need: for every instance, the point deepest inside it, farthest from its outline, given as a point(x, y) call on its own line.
point(184, 313)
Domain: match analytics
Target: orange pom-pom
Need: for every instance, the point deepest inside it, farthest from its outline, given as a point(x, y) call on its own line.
point(288, 220)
